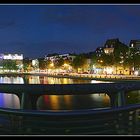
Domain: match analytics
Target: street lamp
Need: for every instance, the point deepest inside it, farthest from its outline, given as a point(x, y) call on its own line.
point(52, 64)
point(101, 61)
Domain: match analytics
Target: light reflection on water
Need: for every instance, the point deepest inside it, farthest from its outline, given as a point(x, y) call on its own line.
point(52, 80)
point(61, 102)
point(133, 97)
point(95, 81)
point(13, 80)
point(30, 79)
point(72, 102)
point(9, 101)
point(54, 102)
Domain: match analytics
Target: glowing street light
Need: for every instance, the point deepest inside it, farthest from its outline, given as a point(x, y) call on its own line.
point(52, 64)
point(101, 61)
point(65, 65)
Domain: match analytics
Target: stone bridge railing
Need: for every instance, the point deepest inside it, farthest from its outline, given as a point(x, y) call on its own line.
point(118, 120)
point(29, 93)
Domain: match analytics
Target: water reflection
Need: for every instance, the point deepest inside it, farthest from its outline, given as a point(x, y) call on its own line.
point(9, 101)
point(53, 102)
point(73, 102)
point(68, 102)
point(13, 80)
point(52, 80)
point(133, 97)
point(96, 81)
point(34, 79)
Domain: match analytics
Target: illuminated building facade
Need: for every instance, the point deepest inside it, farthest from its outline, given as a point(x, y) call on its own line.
point(63, 56)
point(18, 58)
point(115, 50)
point(134, 52)
point(110, 45)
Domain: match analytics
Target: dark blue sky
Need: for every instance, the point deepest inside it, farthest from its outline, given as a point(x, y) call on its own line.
point(37, 30)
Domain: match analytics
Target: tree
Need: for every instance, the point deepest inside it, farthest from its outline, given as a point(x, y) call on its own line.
point(120, 55)
point(132, 60)
point(9, 65)
point(59, 62)
point(42, 64)
point(68, 61)
point(136, 61)
point(94, 59)
point(107, 60)
point(48, 62)
point(27, 64)
point(79, 62)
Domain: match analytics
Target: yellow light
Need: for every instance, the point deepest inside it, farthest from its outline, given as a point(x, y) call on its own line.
point(52, 64)
point(54, 102)
point(136, 73)
point(109, 70)
point(65, 65)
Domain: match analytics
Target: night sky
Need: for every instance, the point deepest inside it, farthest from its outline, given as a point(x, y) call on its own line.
point(37, 30)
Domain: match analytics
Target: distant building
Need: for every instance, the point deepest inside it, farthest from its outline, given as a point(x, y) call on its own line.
point(63, 56)
point(109, 50)
point(11, 56)
point(134, 52)
point(135, 44)
point(110, 45)
point(118, 51)
point(35, 65)
point(99, 51)
point(15, 57)
point(111, 42)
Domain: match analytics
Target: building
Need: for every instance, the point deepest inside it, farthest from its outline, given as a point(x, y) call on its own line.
point(60, 63)
point(109, 50)
point(134, 52)
point(115, 51)
point(35, 65)
point(134, 48)
point(18, 58)
point(135, 44)
point(56, 57)
point(99, 51)
point(110, 45)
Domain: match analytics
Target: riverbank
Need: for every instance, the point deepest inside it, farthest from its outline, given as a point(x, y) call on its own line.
point(94, 77)
point(81, 76)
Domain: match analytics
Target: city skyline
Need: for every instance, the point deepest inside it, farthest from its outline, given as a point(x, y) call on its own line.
point(37, 30)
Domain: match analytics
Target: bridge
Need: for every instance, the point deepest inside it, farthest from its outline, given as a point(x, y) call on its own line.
point(29, 93)
point(119, 119)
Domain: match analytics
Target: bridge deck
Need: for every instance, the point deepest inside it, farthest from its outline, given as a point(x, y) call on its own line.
point(69, 88)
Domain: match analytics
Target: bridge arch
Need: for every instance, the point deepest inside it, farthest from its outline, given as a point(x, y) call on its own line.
point(29, 93)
